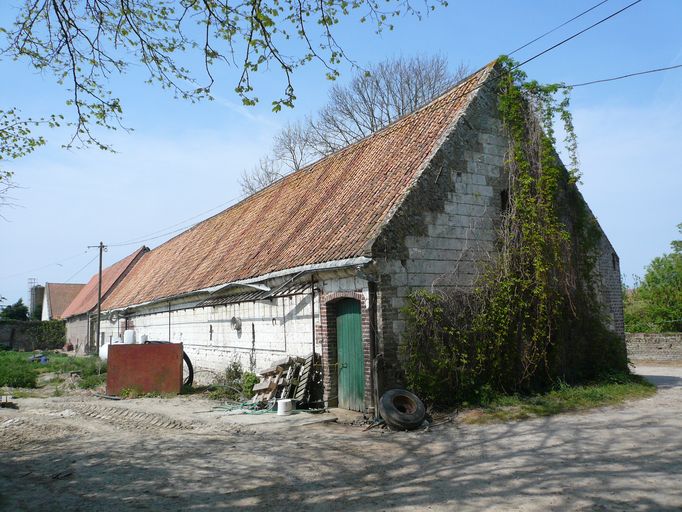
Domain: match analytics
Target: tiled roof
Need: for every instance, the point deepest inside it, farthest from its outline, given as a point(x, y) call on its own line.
point(60, 296)
point(86, 300)
point(330, 210)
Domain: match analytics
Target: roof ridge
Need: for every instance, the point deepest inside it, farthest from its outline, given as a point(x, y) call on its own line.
point(329, 210)
point(381, 132)
point(485, 70)
point(134, 257)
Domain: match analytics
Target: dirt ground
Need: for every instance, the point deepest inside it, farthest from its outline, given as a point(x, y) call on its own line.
point(84, 453)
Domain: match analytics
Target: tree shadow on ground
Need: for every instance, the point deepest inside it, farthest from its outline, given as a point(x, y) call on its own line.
point(569, 462)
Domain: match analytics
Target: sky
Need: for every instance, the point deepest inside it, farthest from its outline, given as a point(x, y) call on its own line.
point(182, 162)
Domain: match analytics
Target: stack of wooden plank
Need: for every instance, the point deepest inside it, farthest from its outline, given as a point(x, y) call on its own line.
point(287, 378)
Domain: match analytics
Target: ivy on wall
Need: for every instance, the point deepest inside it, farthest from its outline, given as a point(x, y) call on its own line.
point(533, 315)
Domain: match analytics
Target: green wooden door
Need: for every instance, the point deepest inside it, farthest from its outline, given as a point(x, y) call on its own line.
point(351, 355)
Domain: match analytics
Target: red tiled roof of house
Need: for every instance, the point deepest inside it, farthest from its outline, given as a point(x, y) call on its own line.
point(330, 210)
point(86, 300)
point(59, 296)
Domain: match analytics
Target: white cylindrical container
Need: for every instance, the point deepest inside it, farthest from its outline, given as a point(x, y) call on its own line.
point(104, 352)
point(129, 337)
point(285, 407)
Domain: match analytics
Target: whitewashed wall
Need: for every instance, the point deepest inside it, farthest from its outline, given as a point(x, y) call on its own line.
point(271, 329)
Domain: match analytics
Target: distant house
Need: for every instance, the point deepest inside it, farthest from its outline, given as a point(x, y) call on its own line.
point(56, 298)
point(323, 259)
point(80, 327)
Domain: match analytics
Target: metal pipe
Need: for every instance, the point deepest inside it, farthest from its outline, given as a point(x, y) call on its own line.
point(373, 377)
point(312, 303)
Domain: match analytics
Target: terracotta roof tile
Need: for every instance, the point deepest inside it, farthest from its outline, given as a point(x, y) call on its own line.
point(60, 296)
point(86, 300)
point(327, 211)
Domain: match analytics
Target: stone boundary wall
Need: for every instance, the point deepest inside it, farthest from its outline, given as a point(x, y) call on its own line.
point(32, 334)
point(13, 336)
point(654, 346)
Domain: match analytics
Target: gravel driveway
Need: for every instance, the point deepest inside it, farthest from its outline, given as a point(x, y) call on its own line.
point(84, 454)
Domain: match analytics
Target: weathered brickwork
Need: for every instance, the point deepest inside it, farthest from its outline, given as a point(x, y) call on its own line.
point(654, 346)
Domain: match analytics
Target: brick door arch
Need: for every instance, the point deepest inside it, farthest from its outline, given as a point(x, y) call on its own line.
point(330, 347)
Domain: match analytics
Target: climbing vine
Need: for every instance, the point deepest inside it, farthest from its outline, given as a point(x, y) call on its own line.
point(533, 316)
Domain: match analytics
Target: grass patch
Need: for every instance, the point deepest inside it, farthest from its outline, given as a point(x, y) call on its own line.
point(17, 371)
point(613, 390)
point(20, 375)
point(131, 393)
point(92, 381)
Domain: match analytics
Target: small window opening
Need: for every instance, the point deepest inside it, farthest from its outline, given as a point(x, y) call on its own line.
point(210, 332)
point(614, 260)
point(504, 201)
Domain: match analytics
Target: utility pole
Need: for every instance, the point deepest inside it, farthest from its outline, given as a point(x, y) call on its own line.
point(101, 248)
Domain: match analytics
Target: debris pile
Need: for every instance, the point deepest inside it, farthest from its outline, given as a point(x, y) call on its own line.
point(293, 377)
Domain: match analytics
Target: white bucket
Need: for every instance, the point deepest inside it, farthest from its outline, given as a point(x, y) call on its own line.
point(285, 407)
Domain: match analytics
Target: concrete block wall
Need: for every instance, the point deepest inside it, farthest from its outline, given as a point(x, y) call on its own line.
point(610, 286)
point(77, 333)
point(446, 227)
point(654, 346)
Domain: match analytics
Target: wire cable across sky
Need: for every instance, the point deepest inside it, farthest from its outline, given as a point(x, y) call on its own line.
point(163, 232)
point(556, 28)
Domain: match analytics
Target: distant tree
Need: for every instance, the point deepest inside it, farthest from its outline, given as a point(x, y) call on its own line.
point(16, 311)
point(655, 305)
point(372, 100)
point(37, 313)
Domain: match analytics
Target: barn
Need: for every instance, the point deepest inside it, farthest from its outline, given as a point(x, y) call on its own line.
point(81, 313)
point(322, 260)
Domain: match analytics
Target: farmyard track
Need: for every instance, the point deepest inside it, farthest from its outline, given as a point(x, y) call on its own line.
point(153, 454)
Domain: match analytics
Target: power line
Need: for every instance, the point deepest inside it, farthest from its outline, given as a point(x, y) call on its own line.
point(59, 263)
point(578, 33)
point(149, 236)
point(146, 238)
point(557, 27)
point(149, 239)
point(613, 78)
point(81, 269)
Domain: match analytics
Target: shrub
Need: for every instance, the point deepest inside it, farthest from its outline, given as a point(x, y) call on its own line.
point(233, 384)
point(92, 381)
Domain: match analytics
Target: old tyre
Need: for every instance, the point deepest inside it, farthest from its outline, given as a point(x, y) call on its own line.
point(401, 409)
